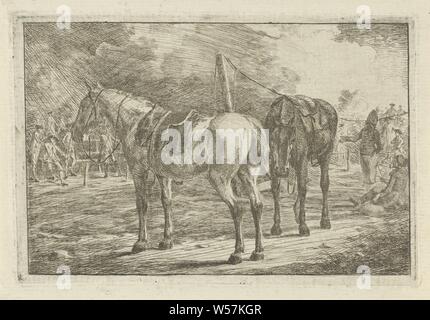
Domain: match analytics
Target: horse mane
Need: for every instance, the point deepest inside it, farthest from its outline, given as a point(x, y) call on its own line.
point(132, 104)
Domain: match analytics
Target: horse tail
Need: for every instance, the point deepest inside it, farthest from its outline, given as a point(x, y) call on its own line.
point(331, 114)
point(263, 139)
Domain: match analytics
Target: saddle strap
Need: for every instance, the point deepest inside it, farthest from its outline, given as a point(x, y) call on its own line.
point(152, 140)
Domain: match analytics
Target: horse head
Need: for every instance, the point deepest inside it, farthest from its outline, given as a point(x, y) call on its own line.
point(87, 113)
point(281, 122)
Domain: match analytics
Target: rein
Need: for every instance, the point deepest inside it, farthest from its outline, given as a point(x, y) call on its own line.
point(94, 110)
point(151, 136)
point(116, 127)
point(291, 141)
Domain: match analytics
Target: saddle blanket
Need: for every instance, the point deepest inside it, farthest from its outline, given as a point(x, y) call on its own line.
point(309, 109)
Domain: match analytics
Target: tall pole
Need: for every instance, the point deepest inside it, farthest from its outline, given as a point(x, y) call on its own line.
point(223, 78)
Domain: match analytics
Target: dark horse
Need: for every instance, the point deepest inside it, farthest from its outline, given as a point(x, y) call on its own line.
point(139, 130)
point(302, 129)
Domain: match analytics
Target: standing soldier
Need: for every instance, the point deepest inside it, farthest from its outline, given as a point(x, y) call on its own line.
point(51, 125)
point(391, 111)
point(370, 146)
point(387, 133)
point(397, 144)
point(52, 151)
point(70, 151)
point(35, 146)
point(399, 123)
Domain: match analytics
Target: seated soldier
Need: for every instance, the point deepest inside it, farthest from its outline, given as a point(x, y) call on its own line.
point(392, 195)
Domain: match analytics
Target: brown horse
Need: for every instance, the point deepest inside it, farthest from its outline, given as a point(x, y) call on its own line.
point(140, 131)
point(301, 129)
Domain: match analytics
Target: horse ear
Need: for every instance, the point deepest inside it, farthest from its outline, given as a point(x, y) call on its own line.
point(286, 111)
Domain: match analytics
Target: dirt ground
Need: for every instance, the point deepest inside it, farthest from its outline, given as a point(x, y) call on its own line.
point(92, 230)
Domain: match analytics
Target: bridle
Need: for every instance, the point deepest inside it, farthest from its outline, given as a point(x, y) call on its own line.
point(291, 140)
point(94, 111)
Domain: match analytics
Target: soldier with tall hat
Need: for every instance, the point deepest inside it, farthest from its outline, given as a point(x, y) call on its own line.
point(397, 144)
point(398, 119)
point(51, 126)
point(53, 153)
point(391, 110)
point(370, 146)
point(70, 154)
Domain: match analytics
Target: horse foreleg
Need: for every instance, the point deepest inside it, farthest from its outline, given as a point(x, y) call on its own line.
point(166, 200)
point(106, 169)
point(142, 210)
point(275, 181)
point(302, 174)
point(275, 187)
point(324, 184)
point(296, 209)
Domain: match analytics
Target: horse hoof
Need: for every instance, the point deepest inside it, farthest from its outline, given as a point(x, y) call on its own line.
point(139, 246)
point(256, 256)
point(325, 224)
point(235, 258)
point(304, 230)
point(276, 230)
point(165, 244)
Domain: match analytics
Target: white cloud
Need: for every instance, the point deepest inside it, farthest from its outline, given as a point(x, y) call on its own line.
point(326, 66)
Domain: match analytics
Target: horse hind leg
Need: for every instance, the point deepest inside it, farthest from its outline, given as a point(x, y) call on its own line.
point(142, 210)
point(220, 179)
point(166, 200)
point(324, 184)
point(250, 184)
point(302, 175)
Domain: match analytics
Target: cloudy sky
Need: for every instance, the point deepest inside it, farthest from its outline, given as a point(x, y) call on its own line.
point(324, 61)
point(173, 64)
point(327, 66)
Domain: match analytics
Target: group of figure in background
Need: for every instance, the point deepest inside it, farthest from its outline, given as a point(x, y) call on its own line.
point(44, 146)
point(394, 191)
point(52, 144)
